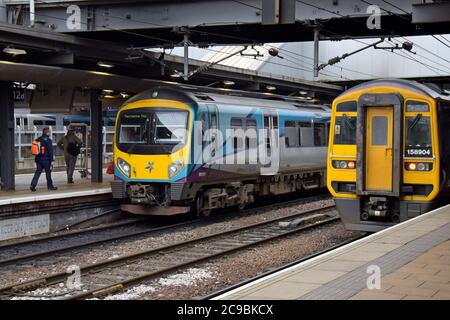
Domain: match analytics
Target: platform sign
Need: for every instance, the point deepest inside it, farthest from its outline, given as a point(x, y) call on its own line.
point(19, 91)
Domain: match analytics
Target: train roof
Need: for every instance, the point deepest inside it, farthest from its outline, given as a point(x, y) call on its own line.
point(428, 89)
point(232, 97)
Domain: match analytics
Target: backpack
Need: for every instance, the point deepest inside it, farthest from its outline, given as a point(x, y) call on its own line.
point(73, 149)
point(36, 148)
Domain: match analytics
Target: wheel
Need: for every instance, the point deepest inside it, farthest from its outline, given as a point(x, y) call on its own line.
point(198, 208)
point(241, 206)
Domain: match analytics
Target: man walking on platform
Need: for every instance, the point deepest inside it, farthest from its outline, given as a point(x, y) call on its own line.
point(44, 159)
point(71, 145)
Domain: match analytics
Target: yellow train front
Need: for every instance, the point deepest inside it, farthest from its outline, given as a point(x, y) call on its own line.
point(389, 152)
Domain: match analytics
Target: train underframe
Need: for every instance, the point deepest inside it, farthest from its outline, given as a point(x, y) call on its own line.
point(201, 197)
point(374, 213)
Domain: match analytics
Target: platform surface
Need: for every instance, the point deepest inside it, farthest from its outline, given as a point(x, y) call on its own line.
point(81, 187)
point(412, 259)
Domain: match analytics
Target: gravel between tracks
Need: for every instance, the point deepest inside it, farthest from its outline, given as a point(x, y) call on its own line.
point(46, 266)
point(252, 262)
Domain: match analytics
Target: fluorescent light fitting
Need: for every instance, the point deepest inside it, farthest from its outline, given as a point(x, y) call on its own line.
point(105, 64)
point(14, 51)
point(228, 83)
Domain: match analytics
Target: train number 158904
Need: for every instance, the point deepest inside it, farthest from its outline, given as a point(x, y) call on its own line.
point(418, 152)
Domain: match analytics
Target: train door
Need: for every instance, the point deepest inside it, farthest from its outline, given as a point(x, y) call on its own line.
point(213, 126)
point(271, 144)
point(379, 140)
point(209, 140)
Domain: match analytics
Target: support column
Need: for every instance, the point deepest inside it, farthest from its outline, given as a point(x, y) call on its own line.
point(3, 17)
point(7, 152)
point(316, 53)
point(96, 138)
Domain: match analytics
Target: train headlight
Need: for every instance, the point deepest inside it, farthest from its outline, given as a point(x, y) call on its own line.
point(342, 164)
point(418, 166)
point(175, 168)
point(124, 167)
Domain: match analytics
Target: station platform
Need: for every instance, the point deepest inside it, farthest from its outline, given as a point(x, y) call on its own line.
point(81, 187)
point(408, 261)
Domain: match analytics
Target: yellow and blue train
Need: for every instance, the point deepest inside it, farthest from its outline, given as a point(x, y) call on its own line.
point(389, 152)
point(180, 150)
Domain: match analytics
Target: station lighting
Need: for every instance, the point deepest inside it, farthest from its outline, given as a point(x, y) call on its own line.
point(271, 88)
point(108, 91)
point(124, 95)
point(228, 83)
point(175, 75)
point(303, 92)
point(105, 64)
point(14, 51)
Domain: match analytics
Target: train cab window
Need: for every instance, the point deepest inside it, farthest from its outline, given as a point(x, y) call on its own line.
point(306, 138)
point(417, 106)
point(132, 133)
point(348, 106)
point(291, 136)
point(345, 130)
point(319, 134)
point(171, 127)
point(418, 136)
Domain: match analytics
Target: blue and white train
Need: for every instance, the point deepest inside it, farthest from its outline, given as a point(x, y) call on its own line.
point(178, 150)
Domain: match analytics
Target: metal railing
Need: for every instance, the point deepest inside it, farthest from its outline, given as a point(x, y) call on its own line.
point(23, 138)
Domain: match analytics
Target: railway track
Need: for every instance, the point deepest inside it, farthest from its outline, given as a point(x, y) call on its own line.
point(111, 276)
point(15, 253)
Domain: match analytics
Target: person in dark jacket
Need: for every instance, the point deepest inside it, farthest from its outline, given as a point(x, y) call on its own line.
point(44, 161)
point(71, 144)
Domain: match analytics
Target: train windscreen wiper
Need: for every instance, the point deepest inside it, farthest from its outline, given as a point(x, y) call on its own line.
point(415, 121)
point(348, 122)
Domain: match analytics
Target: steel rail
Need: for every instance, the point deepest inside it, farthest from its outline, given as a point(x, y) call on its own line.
point(104, 265)
point(19, 258)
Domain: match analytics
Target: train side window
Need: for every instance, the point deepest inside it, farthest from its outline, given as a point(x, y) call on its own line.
point(306, 134)
point(345, 130)
point(319, 134)
point(213, 121)
point(251, 123)
point(236, 123)
point(291, 135)
point(348, 106)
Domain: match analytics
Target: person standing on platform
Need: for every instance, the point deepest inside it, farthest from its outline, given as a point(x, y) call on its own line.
point(71, 145)
point(44, 159)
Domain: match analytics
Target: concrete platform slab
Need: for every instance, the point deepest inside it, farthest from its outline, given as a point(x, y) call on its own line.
point(412, 260)
point(81, 187)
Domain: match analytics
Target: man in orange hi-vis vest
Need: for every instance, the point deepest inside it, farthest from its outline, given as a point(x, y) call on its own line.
point(44, 161)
